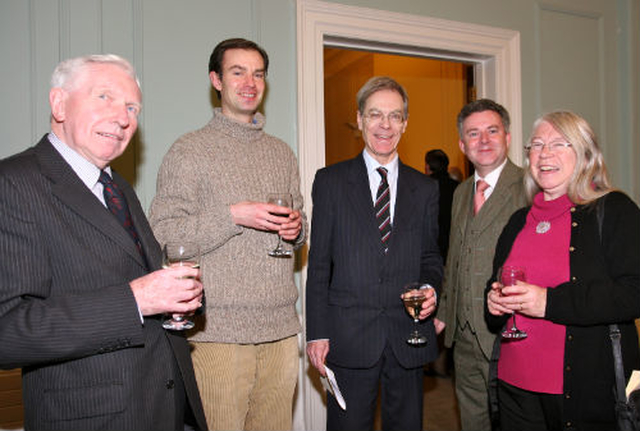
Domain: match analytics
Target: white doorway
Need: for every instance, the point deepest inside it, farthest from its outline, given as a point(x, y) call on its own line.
point(494, 52)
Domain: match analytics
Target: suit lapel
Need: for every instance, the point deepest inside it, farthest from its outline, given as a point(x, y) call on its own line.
point(72, 192)
point(404, 199)
point(461, 212)
point(488, 212)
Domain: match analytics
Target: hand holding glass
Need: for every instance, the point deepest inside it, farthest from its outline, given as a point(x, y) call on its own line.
point(508, 275)
point(413, 298)
point(180, 254)
point(283, 200)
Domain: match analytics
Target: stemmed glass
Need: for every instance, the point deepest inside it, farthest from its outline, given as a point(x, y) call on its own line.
point(508, 275)
point(180, 254)
point(413, 298)
point(283, 200)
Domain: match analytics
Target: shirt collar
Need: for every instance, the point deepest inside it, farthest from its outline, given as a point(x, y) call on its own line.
point(87, 171)
point(372, 165)
point(492, 177)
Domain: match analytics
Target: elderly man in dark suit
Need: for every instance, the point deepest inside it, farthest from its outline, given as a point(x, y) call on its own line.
point(359, 262)
point(81, 295)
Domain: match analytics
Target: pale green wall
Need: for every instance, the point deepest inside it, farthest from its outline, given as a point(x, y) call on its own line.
point(585, 59)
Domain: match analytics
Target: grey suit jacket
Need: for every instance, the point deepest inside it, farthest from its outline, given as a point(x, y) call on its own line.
point(67, 314)
point(470, 258)
point(353, 287)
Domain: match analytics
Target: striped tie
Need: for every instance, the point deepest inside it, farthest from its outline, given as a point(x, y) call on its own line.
point(478, 198)
point(382, 207)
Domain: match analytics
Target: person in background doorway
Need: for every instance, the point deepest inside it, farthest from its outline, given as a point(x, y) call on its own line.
point(436, 165)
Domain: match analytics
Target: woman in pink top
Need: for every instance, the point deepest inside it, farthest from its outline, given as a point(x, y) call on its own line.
point(578, 281)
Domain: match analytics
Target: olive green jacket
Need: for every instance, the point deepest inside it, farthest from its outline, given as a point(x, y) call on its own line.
point(471, 250)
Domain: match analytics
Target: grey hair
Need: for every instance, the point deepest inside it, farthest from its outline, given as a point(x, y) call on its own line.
point(67, 70)
point(378, 83)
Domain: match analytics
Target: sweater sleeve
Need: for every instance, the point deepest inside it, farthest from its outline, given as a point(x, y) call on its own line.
point(180, 211)
point(604, 286)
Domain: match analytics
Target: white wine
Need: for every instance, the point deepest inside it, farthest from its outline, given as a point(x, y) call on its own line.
point(413, 304)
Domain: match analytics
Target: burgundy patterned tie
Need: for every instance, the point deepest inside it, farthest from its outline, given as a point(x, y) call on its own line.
point(118, 206)
point(382, 207)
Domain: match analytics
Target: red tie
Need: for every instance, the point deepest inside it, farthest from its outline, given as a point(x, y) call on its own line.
point(478, 199)
point(117, 204)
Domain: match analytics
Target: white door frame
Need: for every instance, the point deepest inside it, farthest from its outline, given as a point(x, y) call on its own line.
point(495, 52)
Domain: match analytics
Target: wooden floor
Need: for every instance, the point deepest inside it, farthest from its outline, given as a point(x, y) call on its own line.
point(440, 405)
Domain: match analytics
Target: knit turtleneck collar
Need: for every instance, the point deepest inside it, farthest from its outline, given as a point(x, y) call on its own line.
point(549, 210)
point(236, 129)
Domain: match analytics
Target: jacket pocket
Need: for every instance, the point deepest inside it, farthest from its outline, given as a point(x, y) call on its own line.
point(84, 402)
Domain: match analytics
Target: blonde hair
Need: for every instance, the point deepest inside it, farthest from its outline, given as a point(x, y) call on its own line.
point(590, 180)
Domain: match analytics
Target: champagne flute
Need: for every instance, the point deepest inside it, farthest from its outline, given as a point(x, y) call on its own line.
point(414, 296)
point(180, 254)
point(508, 275)
point(283, 200)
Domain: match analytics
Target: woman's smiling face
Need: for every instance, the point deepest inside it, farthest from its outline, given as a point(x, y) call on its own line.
point(551, 166)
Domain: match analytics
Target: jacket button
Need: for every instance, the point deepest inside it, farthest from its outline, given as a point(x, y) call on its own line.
point(574, 278)
point(568, 368)
point(570, 337)
point(574, 224)
point(572, 248)
point(567, 396)
point(170, 384)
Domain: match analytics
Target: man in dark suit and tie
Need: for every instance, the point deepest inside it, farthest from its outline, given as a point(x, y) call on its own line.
point(374, 230)
point(81, 292)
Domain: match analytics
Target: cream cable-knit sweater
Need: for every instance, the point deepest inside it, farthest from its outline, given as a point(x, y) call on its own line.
point(250, 296)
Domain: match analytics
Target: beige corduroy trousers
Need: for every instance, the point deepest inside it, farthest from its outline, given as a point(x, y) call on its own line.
point(247, 386)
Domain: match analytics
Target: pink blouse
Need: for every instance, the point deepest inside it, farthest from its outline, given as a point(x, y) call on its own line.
point(536, 363)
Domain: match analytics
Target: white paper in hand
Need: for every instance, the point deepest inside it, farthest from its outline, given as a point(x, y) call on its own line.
point(331, 385)
point(634, 382)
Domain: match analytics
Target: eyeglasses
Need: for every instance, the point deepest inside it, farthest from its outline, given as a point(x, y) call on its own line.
point(536, 146)
point(395, 117)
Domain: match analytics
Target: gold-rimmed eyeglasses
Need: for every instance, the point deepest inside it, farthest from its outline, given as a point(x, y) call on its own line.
point(537, 145)
point(395, 117)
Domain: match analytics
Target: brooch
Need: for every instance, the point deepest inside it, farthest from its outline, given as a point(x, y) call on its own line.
point(543, 227)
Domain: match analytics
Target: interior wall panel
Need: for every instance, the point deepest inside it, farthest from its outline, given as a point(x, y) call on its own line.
point(577, 54)
point(15, 87)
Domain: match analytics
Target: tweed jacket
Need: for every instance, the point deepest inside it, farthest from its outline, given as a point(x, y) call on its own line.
point(471, 251)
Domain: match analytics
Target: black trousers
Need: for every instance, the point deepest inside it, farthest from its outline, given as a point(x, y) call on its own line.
point(524, 410)
point(401, 391)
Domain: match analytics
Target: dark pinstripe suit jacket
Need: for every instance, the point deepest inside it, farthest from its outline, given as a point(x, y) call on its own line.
point(353, 288)
point(67, 314)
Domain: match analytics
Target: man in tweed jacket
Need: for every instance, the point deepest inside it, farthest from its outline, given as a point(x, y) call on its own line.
point(483, 126)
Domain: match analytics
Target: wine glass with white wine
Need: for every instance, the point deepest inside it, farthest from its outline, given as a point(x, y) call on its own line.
point(414, 296)
point(283, 200)
point(180, 254)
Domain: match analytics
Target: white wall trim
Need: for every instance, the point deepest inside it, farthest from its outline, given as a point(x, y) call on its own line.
point(495, 51)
